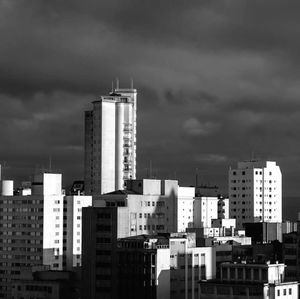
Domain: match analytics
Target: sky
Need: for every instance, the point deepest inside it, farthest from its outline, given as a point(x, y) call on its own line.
point(218, 83)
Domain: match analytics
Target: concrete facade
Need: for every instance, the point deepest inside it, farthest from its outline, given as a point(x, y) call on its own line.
point(264, 281)
point(162, 266)
point(31, 230)
point(255, 192)
point(110, 142)
point(205, 209)
point(73, 228)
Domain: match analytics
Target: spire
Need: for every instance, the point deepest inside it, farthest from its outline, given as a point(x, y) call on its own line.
point(117, 83)
point(131, 83)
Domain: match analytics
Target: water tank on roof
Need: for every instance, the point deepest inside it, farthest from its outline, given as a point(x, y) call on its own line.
point(7, 188)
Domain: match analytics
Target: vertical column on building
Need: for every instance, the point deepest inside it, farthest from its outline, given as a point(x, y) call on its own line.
point(119, 146)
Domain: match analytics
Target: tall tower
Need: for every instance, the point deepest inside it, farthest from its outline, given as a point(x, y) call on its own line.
point(255, 192)
point(110, 142)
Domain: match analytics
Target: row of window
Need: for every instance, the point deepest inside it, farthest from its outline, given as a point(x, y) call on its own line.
point(256, 172)
point(154, 215)
point(284, 292)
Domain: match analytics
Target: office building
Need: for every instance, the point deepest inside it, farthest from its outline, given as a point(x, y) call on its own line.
point(255, 193)
point(110, 142)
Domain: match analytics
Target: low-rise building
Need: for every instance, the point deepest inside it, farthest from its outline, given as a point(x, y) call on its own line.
point(242, 280)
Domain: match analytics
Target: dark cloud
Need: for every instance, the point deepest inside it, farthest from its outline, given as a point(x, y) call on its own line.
point(217, 82)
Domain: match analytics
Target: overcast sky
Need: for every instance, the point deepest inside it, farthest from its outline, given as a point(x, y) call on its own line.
point(218, 82)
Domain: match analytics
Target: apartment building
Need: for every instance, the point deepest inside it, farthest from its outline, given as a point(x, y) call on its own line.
point(31, 229)
point(255, 192)
point(110, 142)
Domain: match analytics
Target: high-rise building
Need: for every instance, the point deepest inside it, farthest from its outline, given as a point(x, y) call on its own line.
point(255, 192)
point(110, 142)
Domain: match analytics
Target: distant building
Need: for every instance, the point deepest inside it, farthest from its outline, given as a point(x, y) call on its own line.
point(110, 142)
point(255, 193)
point(242, 280)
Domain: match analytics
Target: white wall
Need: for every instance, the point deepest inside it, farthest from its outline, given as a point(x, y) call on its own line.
point(163, 273)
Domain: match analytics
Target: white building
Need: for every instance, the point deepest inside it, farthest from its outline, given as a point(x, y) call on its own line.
point(255, 192)
point(205, 209)
point(261, 281)
point(151, 206)
point(31, 228)
point(110, 142)
point(185, 208)
point(73, 228)
point(42, 228)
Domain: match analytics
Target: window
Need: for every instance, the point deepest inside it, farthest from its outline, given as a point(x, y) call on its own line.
point(278, 292)
point(284, 292)
point(290, 291)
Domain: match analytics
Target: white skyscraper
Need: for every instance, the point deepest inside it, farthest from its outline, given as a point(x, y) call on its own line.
point(110, 142)
point(255, 193)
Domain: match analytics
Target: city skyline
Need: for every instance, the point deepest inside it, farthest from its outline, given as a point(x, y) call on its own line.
point(217, 84)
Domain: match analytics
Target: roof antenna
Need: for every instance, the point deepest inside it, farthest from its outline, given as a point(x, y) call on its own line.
point(131, 81)
point(112, 86)
point(117, 83)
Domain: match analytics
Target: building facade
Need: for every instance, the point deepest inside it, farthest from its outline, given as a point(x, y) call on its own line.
point(241, 280)
point(110, 142)
point(31, 229)
point(255, 192)
point(73, 229)
point(151, 266)
point(205, 209)
point(42, 228)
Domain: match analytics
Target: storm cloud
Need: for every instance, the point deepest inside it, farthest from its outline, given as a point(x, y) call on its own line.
point(218, 82)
